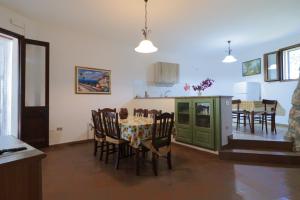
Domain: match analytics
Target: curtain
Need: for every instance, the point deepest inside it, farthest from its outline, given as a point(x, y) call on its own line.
point(5, 85)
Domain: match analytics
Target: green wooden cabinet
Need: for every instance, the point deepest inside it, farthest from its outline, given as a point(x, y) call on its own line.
point(184, 122)
point(198, 120)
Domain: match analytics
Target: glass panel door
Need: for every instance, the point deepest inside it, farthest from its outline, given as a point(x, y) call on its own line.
point(35, 75)
point(202, 114)
point(183, 113)
point(203, 121)
point(35, 94)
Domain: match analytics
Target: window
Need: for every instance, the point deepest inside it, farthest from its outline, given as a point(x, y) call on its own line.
point(8, 85)
point(282, 65)
point(291, 63)
point(272, 72)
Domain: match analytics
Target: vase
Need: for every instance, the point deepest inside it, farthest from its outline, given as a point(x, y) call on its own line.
point(199, 93)
point(123, 113)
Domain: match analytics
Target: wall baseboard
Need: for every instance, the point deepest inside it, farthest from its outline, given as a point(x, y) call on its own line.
point(71, 143)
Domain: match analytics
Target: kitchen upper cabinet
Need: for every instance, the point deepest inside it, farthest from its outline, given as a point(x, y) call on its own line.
point(199, 121)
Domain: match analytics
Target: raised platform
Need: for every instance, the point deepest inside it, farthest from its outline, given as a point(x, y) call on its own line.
point(260, 147)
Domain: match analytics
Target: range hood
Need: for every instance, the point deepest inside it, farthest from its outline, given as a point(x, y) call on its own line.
point(166, 74)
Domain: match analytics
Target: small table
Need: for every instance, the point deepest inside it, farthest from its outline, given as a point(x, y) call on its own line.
point(252, 107)
point(135, 130)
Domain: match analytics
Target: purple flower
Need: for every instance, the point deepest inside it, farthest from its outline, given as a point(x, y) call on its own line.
point(203, 85)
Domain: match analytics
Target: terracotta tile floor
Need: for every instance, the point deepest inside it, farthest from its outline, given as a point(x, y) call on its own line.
point(71, 172)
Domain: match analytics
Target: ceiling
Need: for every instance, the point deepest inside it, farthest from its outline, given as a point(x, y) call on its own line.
point(200, 25)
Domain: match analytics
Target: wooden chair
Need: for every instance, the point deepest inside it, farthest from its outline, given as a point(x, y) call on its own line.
point(99, 136)
point(113, 136)
point(238, 114)
point(140, 112)
point(153, 112)
point(269, 114)
point(160, 144)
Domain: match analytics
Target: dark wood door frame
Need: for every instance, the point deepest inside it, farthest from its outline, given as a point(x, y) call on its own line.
point(21, 64)
point(37, 111)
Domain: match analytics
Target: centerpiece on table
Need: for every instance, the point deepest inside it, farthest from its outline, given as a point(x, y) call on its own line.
point(207, 83)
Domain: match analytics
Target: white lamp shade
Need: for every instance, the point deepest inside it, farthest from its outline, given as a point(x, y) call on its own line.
point(146, 46)
point(229, 59)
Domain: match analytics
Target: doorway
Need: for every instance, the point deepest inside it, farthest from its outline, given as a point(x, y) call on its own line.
point(24, 88)
point(9, 85)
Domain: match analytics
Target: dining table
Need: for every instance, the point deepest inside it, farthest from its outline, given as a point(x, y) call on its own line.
point(253, 107)
point(136, 130)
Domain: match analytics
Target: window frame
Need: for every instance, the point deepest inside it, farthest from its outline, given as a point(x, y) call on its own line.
point(279, 63)
point(266, 65)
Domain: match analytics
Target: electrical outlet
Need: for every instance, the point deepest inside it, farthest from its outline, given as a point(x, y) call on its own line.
point(59, 129)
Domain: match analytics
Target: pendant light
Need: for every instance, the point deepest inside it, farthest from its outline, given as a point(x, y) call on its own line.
point(146, 46)
point(229, 58)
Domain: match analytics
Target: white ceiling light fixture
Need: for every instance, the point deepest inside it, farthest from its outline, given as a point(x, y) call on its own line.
point(146, 46)
point(229, 58)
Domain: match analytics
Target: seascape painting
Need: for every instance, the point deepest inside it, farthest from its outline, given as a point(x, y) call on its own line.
point(92, 80)
point(252, 67)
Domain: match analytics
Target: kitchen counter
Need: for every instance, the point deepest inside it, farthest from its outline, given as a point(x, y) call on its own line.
point(182, 97)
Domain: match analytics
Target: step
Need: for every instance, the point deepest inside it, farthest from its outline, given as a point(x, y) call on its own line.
point(259, 156)
point(260, 144)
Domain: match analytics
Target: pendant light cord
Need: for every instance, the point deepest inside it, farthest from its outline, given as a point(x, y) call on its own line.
point(229, 49)
point(145, 30)
point(146, 15)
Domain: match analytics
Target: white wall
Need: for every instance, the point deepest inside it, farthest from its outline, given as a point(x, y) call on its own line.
point(282, 91)
point(69, 48)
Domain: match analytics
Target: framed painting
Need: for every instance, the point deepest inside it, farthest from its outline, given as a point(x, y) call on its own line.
point(252, 67)
point(92, 80)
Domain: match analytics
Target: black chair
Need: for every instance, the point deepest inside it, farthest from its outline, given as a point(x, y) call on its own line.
point(153, 112)
point(160, 144)
point(99, 136)
point(269, 114)
point(238, 114)
point(140, 112)
point(113, 136)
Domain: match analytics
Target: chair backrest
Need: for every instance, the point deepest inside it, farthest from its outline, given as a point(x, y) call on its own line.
point(101, 111)
point(97, 121)
point(153, 112)
point(270, 103)
point(140, 112)
point(162, 130)
point(108, 110)
point(111, 124)
point(236, 102)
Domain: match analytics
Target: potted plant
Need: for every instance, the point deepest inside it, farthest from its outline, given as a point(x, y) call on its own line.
point(203, 86)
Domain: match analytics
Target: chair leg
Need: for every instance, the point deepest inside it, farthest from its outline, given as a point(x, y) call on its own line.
point(107, 153)
point(130, 150)
point(169, 160)
point(95, 147)
point(262, 125)
point(118, 156)
point(137, 162)
point(249, 120)
point(238, 121)
point(154, 164)
point(114, 150)
point(266, 123)
point(101, 150)
point(273, 124)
